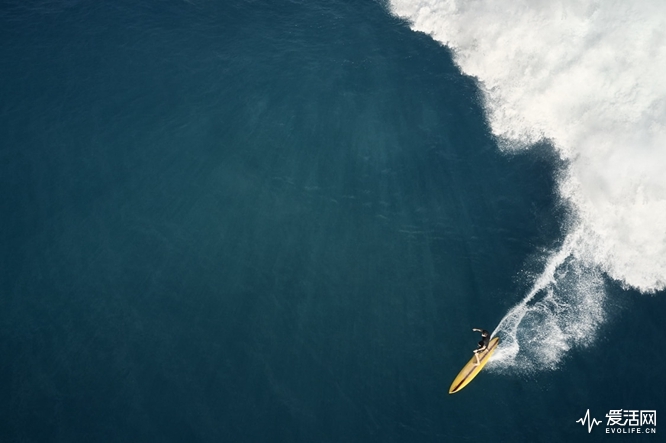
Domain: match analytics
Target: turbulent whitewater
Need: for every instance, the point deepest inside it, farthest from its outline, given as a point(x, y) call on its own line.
point(588, 78)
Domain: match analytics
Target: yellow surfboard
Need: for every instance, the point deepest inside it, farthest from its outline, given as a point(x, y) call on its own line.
point(471, 369)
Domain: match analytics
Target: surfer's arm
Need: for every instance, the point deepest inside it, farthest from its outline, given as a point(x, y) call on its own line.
point(476, 330)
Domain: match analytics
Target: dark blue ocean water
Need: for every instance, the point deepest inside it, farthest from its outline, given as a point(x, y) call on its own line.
point(272, 221)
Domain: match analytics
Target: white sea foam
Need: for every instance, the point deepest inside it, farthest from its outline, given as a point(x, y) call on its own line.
point(589, 77)
point(562, 310)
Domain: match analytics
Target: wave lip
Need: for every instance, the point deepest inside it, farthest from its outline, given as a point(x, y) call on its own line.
point(588, 77)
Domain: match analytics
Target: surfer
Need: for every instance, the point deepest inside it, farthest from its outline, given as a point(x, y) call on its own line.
point(483, 344)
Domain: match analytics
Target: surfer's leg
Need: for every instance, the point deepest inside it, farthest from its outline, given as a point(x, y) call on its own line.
point(477, 359)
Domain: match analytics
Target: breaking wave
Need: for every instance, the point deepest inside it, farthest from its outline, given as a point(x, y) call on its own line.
point(586, 76)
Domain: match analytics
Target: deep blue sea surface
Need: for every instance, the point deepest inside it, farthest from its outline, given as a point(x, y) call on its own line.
point(273, 221)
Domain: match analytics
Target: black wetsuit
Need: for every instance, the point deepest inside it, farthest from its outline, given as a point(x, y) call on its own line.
point(485, 339)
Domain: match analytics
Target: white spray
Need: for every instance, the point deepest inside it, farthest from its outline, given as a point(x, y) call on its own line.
point(589, 77)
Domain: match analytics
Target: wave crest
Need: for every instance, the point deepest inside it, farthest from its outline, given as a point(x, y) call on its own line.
point(588, 77)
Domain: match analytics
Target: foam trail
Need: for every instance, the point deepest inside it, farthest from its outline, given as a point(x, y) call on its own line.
point(587, 76)
point(562, 310)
